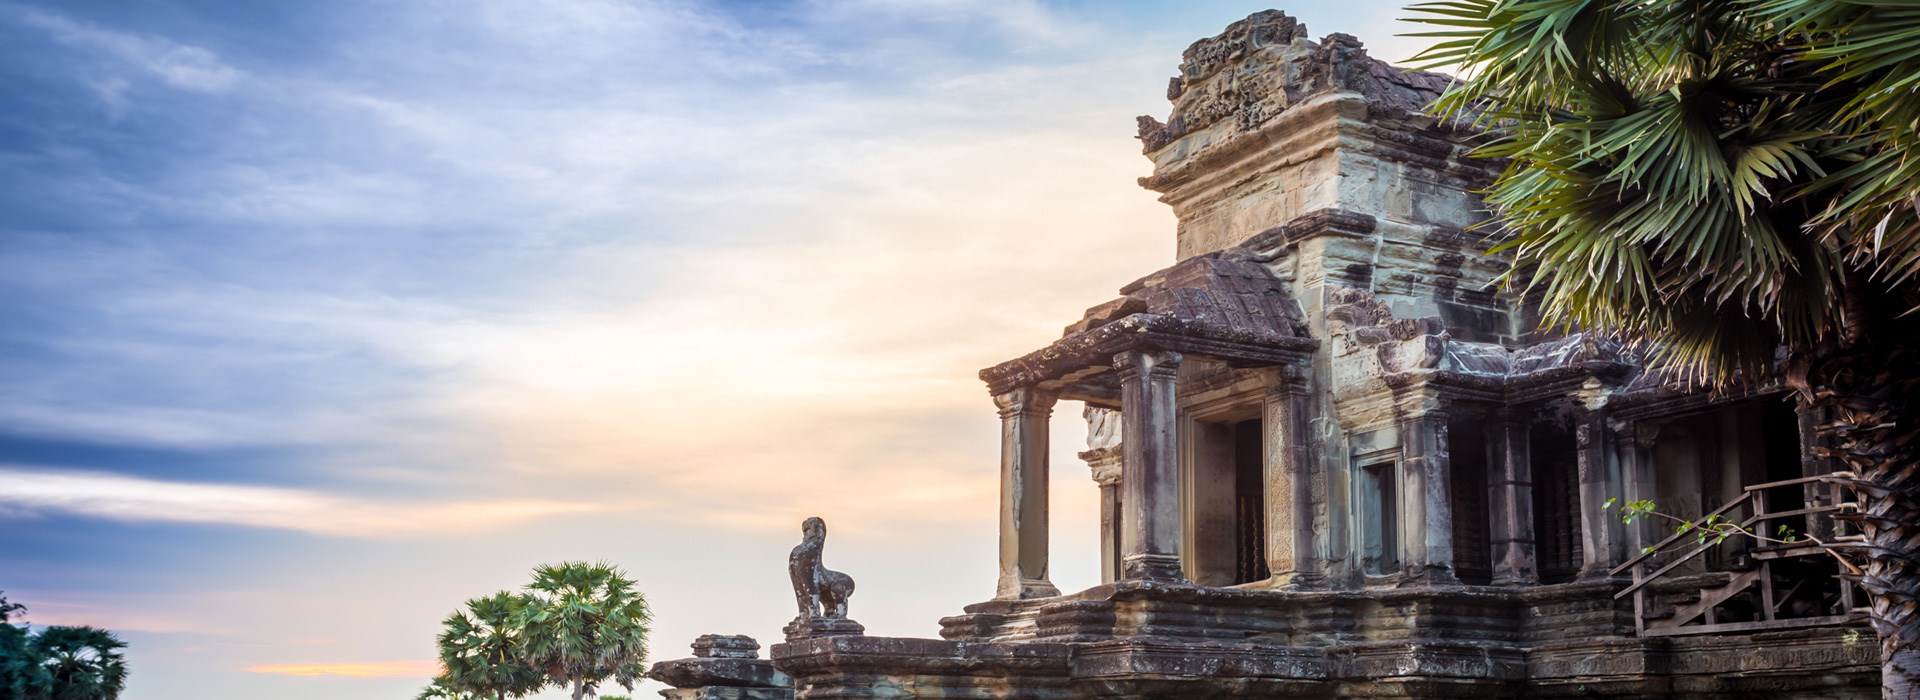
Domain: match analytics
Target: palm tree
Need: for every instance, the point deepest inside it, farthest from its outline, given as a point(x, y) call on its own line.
point(481, 651)
point(84, 663)
point(1721, 180)
point(586, 624)
point(440, 689)
point(21, 674)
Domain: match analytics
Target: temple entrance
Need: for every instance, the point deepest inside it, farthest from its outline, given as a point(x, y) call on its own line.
point(1226, 506)
point(1472, 537)
point(1556, 501)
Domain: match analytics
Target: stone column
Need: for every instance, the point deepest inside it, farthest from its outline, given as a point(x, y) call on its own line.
point(1103, 457)
point(1599, 481)
point(1150, 465)
point(1510, 497)
point(1289, 484)
point(1023, 493)
point(1633, 447)
point(1427, 473)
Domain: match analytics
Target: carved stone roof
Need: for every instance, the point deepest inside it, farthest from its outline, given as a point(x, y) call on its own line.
point(1264, 64)
point(1223, 304)
point(1226, 292)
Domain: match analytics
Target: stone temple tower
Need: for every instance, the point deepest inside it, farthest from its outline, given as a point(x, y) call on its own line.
point(1337, 457)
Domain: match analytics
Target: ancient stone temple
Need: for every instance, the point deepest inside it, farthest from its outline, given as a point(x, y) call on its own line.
point(1335, 459)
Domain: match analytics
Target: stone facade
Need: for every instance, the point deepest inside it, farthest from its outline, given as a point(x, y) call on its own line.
point(1336, 457)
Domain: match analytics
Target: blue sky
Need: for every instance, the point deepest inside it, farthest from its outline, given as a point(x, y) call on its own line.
point(320, 318)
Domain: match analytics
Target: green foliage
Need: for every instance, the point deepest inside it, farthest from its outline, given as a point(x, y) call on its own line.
point(442, 689)
point(1717, 175)
point(84, 662)
point(585, 624)
point(59, 663)
point(577, 625)
point(481, 650)
point(21, 675)
point(1715, 528)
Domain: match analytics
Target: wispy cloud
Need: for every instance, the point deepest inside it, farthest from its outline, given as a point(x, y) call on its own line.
point(177, 65)
point(416, 668)
point(24, 493)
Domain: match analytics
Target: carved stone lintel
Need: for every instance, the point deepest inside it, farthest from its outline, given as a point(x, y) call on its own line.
point(1105, 465)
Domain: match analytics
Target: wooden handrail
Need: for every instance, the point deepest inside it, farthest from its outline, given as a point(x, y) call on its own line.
point(1677, 535)
point(1796, 482)
point(1801, 511)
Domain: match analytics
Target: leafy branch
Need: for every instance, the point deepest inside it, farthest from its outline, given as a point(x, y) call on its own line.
point(1717, 528)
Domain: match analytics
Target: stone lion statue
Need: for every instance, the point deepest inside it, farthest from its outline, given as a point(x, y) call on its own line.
point(819, 591)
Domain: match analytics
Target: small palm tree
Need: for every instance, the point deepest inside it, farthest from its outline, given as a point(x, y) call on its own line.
point(84, 663)
point(585, 624)
point(481, 650)
point(440, 689)
point(1721, 180)
point(21, 674)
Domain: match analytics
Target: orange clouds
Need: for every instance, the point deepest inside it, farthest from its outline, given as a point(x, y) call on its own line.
point(413, 668)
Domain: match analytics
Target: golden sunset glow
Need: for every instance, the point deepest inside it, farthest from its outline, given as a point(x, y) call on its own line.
point(422, 668)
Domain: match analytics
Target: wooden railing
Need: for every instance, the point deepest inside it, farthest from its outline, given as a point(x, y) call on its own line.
point(1749, 511)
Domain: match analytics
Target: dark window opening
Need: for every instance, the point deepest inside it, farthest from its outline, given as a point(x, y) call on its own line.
point(1781, 449)
point(1250, 502)
point(1556, 502)
point(1472, 546)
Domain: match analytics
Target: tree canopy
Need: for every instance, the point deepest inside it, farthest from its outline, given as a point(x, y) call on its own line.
point(1729, 183)
point(58, 663)
point(1726, 176)
point(575, 626)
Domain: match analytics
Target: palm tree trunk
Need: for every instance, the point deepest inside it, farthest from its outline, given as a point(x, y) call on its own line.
point(1871, 396)
point(579, 688)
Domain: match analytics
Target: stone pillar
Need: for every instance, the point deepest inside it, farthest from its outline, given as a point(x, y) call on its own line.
point(1150, 465)
point(1023, 493)
point(1633, 447)
point(1599, 480)
point(1105, 463)
point(1427, 473)
point(1289, 484)
point(1510, 497)
point(1103, 458)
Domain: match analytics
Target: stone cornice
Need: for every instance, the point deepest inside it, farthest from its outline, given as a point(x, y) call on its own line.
point(1096, 347)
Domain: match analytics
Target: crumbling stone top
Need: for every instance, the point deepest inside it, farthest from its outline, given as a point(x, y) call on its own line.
point(1238, 82)
point(724, 660)
point(726, 646)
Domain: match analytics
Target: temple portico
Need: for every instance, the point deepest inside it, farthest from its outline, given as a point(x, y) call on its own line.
point(1337, 457)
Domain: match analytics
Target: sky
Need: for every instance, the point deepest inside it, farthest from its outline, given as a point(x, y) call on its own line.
point(318, 319)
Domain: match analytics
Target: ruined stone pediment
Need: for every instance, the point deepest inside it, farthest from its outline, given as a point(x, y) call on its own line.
point(1227, 292)
point(1263, 65)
